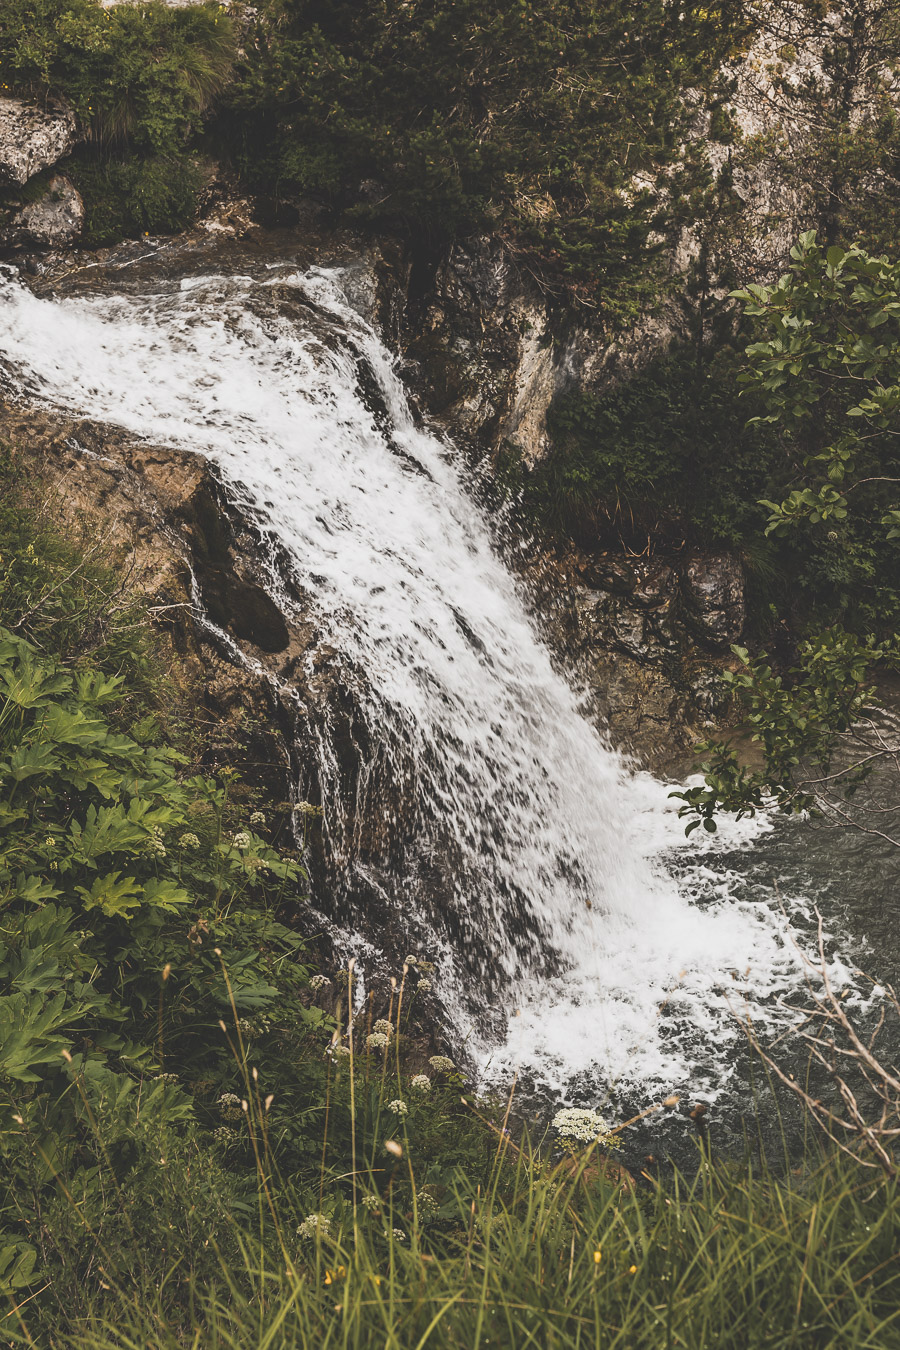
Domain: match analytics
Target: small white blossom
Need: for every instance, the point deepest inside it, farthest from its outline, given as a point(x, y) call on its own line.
point(341, 1051)
point(229, 1105)
point(189, 840)
point(424, 986)
point(398, 1107)
point(427, 1205)
point(421, 1083)
point(441, 1064)
point(241, 840)
point(399, 1235)
point(576, 1125)
point(411, 961)
point(225, 1136)
point(306, 809)
point(258, 818)
point(383, 1028)
point(155, 847)
point(372, 1202)
point(166, 1078)
point(377, 1041)
point(315, 1225)
point(319, 982)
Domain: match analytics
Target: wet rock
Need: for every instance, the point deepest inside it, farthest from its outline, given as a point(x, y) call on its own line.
point(54, 220)
point(33, 138)
point(714, 594)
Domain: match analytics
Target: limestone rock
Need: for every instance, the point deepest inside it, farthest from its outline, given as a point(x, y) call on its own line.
point(714, 593)
point(54, 220)
point(32, 138)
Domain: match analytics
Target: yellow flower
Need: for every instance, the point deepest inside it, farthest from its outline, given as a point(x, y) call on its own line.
point(597, 1255)
point(632, 1270)
point(332, 1276)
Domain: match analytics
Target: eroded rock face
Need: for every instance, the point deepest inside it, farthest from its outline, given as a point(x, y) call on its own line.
point(53, 221)
point(33, 138)
point(714, 591)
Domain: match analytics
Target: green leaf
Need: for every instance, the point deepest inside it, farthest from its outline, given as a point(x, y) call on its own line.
point(114, 894)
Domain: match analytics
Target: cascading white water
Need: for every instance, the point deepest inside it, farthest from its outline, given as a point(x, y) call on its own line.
point(554, 910)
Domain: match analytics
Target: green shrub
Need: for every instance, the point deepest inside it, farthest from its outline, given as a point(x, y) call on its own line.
point(129, 196)
point(136, 74)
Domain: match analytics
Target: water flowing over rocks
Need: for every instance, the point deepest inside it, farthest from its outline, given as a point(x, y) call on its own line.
point(33, 138)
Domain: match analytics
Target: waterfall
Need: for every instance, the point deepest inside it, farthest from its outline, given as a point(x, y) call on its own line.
point(530, 863)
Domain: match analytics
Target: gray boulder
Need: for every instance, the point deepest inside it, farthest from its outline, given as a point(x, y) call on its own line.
point(714, 595)
point(54, 220)
point(32, 138)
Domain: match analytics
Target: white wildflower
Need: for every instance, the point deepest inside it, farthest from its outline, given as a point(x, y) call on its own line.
point(319, 982)
point(166, 1078)
point(258, 818)
point(306, 809)
point(399, 1235)
point(340, 1051)
point(225, 1136)
point(377, 1041)
point(315, 1225)
point(155, 847)
point(189, 840)
point(383, 1028)
point(441, 1064)
point(399, 1107)
point(411, 961)
point(241, 840)
point(426, 1203)
point(229, 1105)
point(421, 1083)
point(424, 986)
point(372, 1202)
point(576, 1125)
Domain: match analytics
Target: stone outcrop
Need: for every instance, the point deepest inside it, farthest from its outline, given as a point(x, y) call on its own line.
point(53, 221)
point(714, 591)
point(33, 138)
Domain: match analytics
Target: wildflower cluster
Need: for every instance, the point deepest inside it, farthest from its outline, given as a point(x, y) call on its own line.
point(225, 1136)
point(383, 1028)
point(577, 1126)
point(258, 818)
point(189, 840)
point(241, 840)
point(372, 1203)
point(319, 982)
point(377, 1041)
point(155, 846)
point(230, 1106)
point(399, 1107)
point(424, 986)
point(441, 1064)
point(421, 1083)
point(315, 1225)
point(340, 1051)
point(426, 1203)
point(166, 1078)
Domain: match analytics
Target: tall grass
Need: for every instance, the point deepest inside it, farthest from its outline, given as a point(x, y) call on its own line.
point(559, 1257)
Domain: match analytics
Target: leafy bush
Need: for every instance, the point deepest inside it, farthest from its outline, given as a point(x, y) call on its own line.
point(129, 195)
point(562, 125)
point(136, 74)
